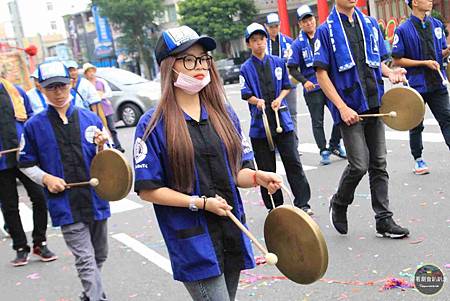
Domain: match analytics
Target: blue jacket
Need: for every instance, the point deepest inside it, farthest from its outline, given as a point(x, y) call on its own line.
point(250, 86)
point(347, 83)
point(41, 148)
point(407, 44)
point(192, 258)
point(300, 50)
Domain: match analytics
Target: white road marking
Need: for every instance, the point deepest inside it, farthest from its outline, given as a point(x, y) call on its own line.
point(282, 171)
point(308, 148)
point(123, 205)
point(26, 216)
point(426, 137)
point(144, 251)
point(26, 213)
point(430, 121)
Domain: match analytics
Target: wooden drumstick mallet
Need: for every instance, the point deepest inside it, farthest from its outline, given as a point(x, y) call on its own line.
point(271, 258)
point(392, 114)
point(444, 81)
point(92, 182)
point(12, 150)
point(279, 129)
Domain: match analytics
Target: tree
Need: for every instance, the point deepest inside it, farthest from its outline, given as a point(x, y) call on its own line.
point(222, 20)
point(135, 19)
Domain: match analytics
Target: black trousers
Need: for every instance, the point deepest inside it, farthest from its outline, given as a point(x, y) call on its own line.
point(10, 206)
point(316, 102)
point(265, 159)
point(112, 129)
point(439, 104)
point(366, 151)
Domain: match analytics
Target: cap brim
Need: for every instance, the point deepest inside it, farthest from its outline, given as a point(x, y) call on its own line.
point(256, 31)
point(53, 80)
point(273, 23)
point(207, 43)
point(305, 15)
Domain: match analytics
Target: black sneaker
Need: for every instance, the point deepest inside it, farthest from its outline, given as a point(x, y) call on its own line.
point(338, 218)
point(21, 257)
point(43, 252)
point(388, 228)
point(120, 149)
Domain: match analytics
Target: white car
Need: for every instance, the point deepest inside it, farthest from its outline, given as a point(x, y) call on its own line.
point(132, 94)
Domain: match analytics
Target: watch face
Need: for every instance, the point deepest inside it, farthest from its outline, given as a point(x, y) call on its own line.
point(192, 207)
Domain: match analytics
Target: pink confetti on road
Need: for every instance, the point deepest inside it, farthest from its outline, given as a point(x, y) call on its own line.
point(33, 276)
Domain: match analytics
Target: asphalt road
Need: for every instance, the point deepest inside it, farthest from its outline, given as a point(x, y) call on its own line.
point(359, 263)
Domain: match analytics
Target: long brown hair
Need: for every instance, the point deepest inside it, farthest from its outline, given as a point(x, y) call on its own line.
point(179, 144)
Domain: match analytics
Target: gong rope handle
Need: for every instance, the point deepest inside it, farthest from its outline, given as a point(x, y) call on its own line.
point(390, 114)
point(12, 150)
point(92, 182)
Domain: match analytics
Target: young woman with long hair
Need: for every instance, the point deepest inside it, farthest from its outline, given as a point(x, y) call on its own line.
point(190, 157)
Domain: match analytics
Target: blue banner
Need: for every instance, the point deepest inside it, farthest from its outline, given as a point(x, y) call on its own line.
point(102, 27)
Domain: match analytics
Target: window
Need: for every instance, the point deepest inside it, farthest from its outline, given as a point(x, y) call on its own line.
point(53, 25)
point(49, 6)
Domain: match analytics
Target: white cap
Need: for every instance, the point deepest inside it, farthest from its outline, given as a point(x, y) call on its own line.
point(304, 11)
point(272, 18)
point(253, 28)
point(87, 66)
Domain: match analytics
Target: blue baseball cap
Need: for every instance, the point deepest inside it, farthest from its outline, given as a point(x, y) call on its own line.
point(254, 28)
point(51, 73)
point(176, 40)
point(272, 19)
point(303, 12)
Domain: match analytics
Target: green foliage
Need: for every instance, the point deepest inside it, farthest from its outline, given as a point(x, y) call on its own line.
point(135, 19)
point(223, 20)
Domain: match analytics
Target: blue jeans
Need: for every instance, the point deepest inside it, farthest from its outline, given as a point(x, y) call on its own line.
point(316, 101)
point(366, 152)
point(439, 104)
point(220, 288)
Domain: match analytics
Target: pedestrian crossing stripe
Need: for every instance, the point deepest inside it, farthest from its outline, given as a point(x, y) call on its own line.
point(26, 213)
point(404, 136)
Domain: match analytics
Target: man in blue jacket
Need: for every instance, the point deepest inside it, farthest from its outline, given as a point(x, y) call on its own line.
point(300, 66)
point(59, 146)
point(348, 57)
point(421, 47)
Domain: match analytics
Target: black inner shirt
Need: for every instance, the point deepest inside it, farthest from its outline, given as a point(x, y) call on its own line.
point(424, 29)
point(8, 131)
point(366, 74)
point(213, 179)
point(70, 150)
point(276, 46)
point(267, 86)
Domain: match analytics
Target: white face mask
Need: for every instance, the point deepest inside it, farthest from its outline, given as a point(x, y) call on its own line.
point(190, 84)
point(58, 105)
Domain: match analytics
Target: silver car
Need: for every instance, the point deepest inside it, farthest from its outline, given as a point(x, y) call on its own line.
point(132, 95)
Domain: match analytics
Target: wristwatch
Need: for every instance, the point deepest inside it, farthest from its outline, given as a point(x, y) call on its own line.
point(192, 205)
